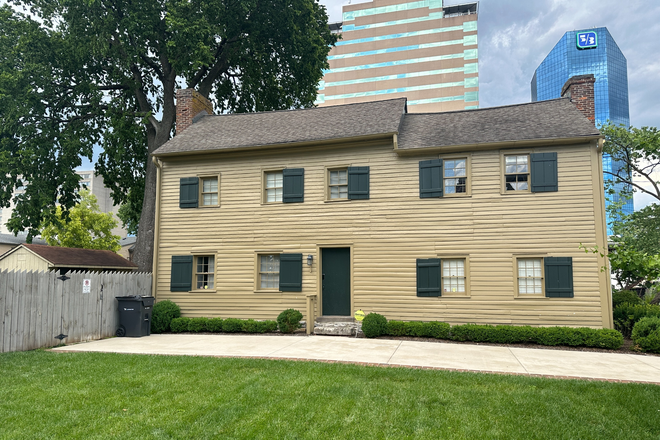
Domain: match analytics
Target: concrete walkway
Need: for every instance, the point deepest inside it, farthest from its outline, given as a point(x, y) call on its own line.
point(383, 352)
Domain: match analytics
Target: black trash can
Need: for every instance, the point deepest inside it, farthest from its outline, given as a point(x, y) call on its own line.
point(135, 315)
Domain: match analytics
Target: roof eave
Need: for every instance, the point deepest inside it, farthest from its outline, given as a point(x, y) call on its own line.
point(337, 141)
point(87, 266)
point(481, 146)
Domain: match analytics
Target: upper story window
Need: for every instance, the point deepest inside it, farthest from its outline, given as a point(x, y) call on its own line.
point(455, 176)
point(273, 186)
point(209, 191)
point(338, 185)
point(516, 173)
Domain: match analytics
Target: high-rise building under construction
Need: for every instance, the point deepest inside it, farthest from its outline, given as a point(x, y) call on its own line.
point(422, 50)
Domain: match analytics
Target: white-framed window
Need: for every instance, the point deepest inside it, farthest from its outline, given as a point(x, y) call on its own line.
point(204, 272)
point(453, 275)
point(455, 176)
point(269, 272)
point(273, 186)
point(338, 184)
point(530, 276)
point(209, 191)
point(516, 172)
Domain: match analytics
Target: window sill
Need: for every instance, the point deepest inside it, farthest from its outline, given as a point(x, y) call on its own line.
point(336, 200)
point(454, 196)
point(203, 291)
point(454, 295)
point(530, 296)
point(267, 291)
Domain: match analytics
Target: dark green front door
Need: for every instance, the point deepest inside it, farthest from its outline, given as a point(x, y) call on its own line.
point(336, 279)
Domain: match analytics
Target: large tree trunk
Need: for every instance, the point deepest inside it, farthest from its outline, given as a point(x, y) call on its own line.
point(144, 247)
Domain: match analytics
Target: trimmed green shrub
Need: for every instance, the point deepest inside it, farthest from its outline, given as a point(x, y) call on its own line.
point(232, 325)
point(289, 320)
point(179, 325)
point(646, 334)
point(625, 296)
point(374, 325)
point(437, 330)
point(415, 328)
point(196, 325)
point(394, 328)
point(252, 326)
point(162, 315)
point(214, 325)
point(268, 326)
point(509, 334)
point(626, 315)
point(605, 338)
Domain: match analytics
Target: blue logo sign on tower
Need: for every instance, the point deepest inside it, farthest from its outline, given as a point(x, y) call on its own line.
point(587, 40)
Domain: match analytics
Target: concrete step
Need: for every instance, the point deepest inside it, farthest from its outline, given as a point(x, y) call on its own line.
point(335, 319)
point(338, 328)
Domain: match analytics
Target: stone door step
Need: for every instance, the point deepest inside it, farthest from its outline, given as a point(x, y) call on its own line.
point(335, 319)
point(338, 328)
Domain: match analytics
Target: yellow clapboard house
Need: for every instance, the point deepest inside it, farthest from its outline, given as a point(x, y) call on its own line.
point(469, 216)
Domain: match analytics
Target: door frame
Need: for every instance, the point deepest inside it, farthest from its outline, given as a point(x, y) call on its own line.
point(319, 279)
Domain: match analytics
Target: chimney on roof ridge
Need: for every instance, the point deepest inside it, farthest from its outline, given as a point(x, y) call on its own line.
point(190, 105)
point(580, 89)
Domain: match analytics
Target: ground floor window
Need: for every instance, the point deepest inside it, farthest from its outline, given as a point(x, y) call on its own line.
point(453, 275)
point(269, 271)
point(530, 276)
point(204, 272)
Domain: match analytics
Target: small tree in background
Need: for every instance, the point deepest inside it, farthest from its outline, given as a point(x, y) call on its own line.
point(86, 227)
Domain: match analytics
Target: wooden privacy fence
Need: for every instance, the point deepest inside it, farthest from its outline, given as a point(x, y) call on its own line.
point(37, 307)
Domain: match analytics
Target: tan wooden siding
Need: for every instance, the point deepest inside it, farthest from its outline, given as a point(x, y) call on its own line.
point(22, 259)
point(387, 234)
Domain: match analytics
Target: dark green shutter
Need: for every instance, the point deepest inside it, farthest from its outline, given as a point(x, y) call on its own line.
point(358, 183)
point(544, 172)
point(188, 193)
point(294, 185)
point(428, 277)
point(558, 277)
point(430, 178)
point(291, 272)
point(181, 279)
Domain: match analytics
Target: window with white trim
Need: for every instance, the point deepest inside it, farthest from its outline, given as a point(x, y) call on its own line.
point(453, 275)
point(530, 276)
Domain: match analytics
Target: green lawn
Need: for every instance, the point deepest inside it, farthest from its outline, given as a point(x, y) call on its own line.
point(90, 395)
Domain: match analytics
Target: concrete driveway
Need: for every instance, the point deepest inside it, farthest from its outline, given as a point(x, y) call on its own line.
point(616, 367)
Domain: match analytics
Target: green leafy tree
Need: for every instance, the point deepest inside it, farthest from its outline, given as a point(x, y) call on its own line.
point(639, 150)
point(86, 227)
point(86, 72)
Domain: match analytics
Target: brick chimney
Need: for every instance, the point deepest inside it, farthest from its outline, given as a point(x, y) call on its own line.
point(581, 91)
point(190, 105)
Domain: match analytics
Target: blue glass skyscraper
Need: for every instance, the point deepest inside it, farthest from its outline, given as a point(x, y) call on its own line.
point(581, 53)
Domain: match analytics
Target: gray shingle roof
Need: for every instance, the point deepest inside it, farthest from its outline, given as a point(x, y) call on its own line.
point(244, 130)
point(554, 119)
point(90, 258)
point(20, 239)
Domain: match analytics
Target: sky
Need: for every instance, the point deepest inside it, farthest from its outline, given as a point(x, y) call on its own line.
point(516, 35)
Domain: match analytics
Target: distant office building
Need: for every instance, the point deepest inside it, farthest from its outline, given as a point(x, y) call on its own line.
point(584, 52)
point(93, 183)
point(421, 50)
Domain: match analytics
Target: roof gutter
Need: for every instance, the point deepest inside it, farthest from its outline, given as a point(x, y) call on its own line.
point(482, 146)
point(324, 142)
